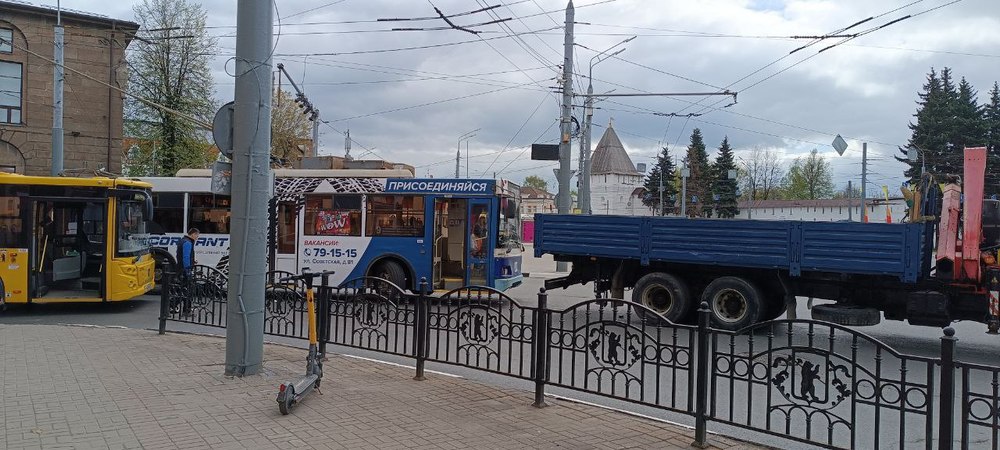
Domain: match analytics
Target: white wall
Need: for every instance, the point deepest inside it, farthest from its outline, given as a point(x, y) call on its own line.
point(612, 194)
point(876, 213)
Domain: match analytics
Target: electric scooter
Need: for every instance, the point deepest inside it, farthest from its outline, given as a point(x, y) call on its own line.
point(293, 392)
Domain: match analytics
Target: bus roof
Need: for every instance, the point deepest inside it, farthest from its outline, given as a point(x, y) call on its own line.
point(312, 173)
point(105, 182)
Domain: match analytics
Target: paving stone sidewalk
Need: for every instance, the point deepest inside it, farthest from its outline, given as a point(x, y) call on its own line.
point(83, 387)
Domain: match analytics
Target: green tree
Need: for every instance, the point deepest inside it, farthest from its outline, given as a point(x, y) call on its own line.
point(724, 186)
point(810, 178)
point(173, 71)
point(536, 182)
point(760, 175)
point(665, 166)
point(699, 184)
point(290, 129)
point(991, 117)
point(932, 133)
point(854, 193)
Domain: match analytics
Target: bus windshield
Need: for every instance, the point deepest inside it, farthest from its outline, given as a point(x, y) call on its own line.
point(132, 236)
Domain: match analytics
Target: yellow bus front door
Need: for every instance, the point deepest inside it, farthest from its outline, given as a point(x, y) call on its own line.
point(14, 266)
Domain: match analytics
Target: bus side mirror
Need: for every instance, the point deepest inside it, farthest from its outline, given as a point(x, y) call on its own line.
point(147, 210)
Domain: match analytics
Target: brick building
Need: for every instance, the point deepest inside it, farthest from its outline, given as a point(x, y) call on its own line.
point(92, 111)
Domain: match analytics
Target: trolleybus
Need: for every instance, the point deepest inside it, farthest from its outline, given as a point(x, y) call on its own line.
point(451, 232)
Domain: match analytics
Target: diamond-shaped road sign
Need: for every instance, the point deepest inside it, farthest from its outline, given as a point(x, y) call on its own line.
point(839, 144)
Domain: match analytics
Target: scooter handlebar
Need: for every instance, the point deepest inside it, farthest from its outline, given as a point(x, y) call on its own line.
point(308, 277)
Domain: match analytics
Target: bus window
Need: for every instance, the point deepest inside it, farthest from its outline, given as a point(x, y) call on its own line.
point(395, 215)
point(10, 223)
point(508, 225)
point(286, 227)
point(209, 213)
point(169, 217)
point(333, 215)
point(132, 238)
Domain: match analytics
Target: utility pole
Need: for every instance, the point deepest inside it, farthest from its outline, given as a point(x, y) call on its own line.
point(850, 202)
point(251, 189)
point(864, 181)
point(685, 173)
point(458, 152)
point(564, 173)
point(315, 149)
point(347, 145)
point(661, 191)
point(57, 96)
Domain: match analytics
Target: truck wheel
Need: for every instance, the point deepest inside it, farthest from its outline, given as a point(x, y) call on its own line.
point(734, 302)
point(848, 315)
point(663, 293)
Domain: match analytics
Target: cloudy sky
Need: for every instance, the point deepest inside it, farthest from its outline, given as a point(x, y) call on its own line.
point(407, 96)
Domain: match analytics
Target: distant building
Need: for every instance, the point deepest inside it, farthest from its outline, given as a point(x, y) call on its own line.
point(92, 110)
point(536, 201)
point(823, 210)
point(616, 188)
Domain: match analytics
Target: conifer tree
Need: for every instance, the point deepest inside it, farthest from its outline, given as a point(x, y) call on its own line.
point(699, 184)
point(664, 165)
point(724, 187)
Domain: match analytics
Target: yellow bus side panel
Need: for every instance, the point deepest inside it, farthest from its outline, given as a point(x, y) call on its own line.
point(14, 266)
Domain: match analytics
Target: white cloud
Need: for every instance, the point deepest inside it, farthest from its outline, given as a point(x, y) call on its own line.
point(864, 90)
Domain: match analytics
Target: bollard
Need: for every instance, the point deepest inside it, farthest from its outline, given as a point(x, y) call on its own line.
point(164, 300)
point(946, 413)
point(701, 379)
point(541, 347)
point(324, 314)
point(421, 323)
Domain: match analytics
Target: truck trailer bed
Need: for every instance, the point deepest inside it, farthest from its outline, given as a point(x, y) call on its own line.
point(795, 246)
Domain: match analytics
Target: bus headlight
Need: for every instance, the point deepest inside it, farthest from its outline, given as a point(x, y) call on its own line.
point(129, 270)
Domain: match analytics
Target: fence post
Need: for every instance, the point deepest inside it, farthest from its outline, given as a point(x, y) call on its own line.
point(324, 313)
point(946, 411)
point(164, 300)
point(421, 323)
point(541, 347)
point(702, 378)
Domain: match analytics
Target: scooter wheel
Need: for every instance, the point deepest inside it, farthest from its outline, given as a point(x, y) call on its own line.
point(285, 403)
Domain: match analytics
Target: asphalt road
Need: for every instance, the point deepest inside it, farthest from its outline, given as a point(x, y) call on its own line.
point(974, 346)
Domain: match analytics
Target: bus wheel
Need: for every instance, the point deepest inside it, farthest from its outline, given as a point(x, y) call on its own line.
point(393, 272)
point(663, 293)
point(734, 302)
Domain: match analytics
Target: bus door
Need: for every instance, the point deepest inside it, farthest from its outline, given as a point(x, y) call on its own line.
point(68, 249)
point(480, 250)
point(449, 254)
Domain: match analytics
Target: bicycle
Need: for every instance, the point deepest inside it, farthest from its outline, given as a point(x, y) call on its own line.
point(291, 393)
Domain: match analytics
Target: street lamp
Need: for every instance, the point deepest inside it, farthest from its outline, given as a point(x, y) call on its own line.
point(458, 153)
point(913, 152)
point(584, 172)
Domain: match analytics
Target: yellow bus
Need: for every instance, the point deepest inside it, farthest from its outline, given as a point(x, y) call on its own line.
point(73, 239)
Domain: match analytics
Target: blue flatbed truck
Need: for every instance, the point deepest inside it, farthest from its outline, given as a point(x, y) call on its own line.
point(940, 267)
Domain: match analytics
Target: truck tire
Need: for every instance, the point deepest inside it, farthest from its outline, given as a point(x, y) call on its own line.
point(665, 294)
point(392, 271)
point(849, 315)
point(735, 303)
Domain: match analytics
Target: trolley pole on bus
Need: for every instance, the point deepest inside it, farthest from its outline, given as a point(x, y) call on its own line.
point(251, 188)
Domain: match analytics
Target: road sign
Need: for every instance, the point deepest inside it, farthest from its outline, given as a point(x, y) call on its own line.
point(545, 152)
point(839, 144)
point(222, 129)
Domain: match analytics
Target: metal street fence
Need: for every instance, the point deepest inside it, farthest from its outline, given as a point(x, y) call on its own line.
point(806, 381)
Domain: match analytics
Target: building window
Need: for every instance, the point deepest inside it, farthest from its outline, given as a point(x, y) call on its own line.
point(6, 40)
point(10, 92)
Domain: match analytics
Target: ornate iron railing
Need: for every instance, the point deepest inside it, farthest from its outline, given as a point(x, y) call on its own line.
point(802, 381)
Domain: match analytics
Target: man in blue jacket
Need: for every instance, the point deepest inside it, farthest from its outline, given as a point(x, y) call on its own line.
point(185, 262)
point(185, 252)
